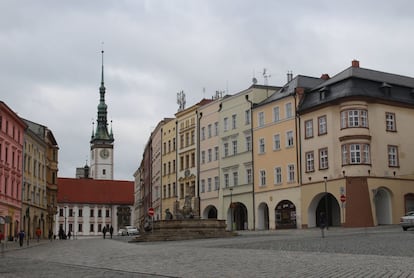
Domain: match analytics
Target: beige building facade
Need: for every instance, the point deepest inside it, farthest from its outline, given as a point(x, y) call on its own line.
point(35, 180)
point(236, 156)
point(210, 203)
point(356, 150)
point(169, 166)
point(276, 158)
point(187, 158)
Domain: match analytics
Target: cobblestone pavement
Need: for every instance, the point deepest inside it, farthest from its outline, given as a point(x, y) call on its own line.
point(371, 252)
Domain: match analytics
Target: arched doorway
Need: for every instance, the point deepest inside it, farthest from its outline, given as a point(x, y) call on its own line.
point(210, 212)
point(263, 217)
point(285, 215)
point(383, 208)
point(237, 217)
point(318, 205)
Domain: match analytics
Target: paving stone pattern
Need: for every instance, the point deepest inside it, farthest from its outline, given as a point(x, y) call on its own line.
point(371, 252)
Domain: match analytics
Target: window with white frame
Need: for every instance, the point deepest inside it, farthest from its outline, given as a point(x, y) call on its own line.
point(216, 183)
point(310, 162)
point(226, 149)
point(248, 143)
point(235, 178)
point(234, 121)
point(210, 155)
point(216, 129)
point(260, 118)
point(291, 173)
point(390, 121)
point(247, 115)
point(226, 180)
point(203, 133)
point(209, 131)
point(276, 115)
point(323, 158)
point(278, 175)
point(322, 125)
point(203, 186)
point(261, 145)
point(216, 153)
point(308, 129)
point(226, 124)
point(289, 139)
point(262, 175)
point(249, 177)
point(203, 157)
point(288, 108)
point(354, 118)
point(355, 154)
point(234, 143)
point(209, 184)
point(276, 142)
point(392, 156)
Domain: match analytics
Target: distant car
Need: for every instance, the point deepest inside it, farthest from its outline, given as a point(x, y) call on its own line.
point(131, 230)
point(407, 221)
point(122, 232)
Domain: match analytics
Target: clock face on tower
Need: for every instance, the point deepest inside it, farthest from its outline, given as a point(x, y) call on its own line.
point(104, 153)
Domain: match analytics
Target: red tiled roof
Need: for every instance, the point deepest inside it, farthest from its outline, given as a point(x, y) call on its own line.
point(90, 191)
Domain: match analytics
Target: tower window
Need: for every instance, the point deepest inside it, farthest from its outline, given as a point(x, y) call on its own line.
point(103, 171)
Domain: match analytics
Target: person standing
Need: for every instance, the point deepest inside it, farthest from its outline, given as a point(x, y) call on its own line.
point(111, 230)
point(104, 232)
point(50, 235)
point(38, 233)
point(21, 238)
point(1, 236)
point(69, 234)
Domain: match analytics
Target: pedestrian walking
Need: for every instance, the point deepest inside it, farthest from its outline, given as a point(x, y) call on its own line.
point(38, 233)
point(1, 236)
point(111, 230)
point(21, 237)
point(69, 235)
point(50, 235)
point(104, 232)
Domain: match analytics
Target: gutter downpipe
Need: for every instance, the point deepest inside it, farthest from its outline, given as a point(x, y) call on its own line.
point(199, 115)
point(299, 148)
point(251, 131)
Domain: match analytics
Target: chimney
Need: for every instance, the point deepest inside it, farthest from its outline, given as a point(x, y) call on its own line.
point(355, 63)
point(325, 76)
point(289, 76)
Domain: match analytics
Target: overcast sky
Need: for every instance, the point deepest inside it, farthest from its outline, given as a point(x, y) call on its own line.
point(50, 63)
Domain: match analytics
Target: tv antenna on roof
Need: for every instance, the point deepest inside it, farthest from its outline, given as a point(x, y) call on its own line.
point(266, 76)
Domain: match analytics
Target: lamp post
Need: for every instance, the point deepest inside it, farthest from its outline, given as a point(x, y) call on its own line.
point(28, 220)
point(65, 221)
point(326, 203)
point(231, 209)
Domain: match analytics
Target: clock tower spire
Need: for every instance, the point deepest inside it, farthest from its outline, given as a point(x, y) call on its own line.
point(102, 141)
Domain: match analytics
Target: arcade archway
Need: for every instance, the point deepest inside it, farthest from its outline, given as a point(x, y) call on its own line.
point(285, 215)
point(263, 217)
point(383, 207)
point(324, 203)
point(210, 212)
point(237, 216)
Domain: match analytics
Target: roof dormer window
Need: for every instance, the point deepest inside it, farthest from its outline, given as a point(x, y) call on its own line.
point(386, 89)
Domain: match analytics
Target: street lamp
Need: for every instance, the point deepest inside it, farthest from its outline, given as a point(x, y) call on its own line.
point(28, 220)
point(231, 209)
point(65, 222)
point(326, 203)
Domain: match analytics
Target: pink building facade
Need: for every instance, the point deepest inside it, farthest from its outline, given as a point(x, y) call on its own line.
point(11, 178)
